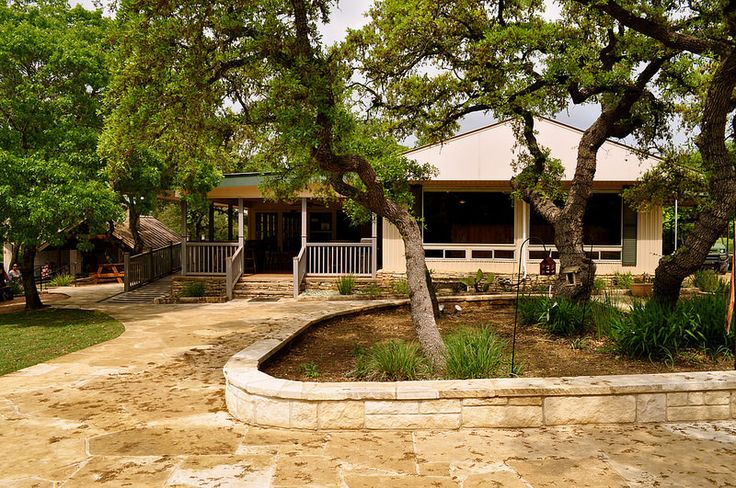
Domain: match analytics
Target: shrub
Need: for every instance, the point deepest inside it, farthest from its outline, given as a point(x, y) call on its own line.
point(564, 317)
point(599, 285)
point(400, 287)
point(707, 280)
point(16, 287)
point(372, 290)
point(62, 280)
point(650, 331)
point(705, 316)
point(309, 370)
point(475, 352)
point(623, 280)
point(480, 282)
point(657, 332)
point(531, 309)
point(193, 289)
point(602, 314)
point(392, 360)
point(345, 285)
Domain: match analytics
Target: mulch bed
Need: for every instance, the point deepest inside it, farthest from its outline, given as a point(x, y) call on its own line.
point(330, 347)
point(18, 304)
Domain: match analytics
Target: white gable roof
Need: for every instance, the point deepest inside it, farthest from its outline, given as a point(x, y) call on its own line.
point(486, 154)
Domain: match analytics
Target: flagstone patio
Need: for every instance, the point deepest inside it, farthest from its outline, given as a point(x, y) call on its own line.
point(148, 409)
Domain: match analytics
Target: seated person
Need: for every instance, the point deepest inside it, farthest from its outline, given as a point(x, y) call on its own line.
point(15, 273)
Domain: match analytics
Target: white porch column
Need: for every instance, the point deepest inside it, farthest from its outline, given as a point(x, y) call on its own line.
point(184, 235)
point(241, 223)
point(304, 222)
point(374, 245)
point(7, 255)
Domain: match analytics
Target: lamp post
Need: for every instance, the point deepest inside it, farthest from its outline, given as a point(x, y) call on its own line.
point(546, 268)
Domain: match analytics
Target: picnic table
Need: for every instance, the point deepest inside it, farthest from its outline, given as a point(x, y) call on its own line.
point(108, 271)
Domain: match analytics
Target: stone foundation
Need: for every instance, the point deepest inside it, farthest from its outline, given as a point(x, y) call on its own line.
point(214, 290)
point(259, 399)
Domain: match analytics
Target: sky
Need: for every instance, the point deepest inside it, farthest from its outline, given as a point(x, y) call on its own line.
point(350, 14)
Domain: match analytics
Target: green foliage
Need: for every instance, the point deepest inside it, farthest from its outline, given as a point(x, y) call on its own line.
point(345, 284)
point(62, 280)
point(28, 338)
point(707, 280)
point(565, 317)
point(193, 289)
point(373, 290)
point(531, 309)
point(656, 331)
point(599, 285)
point(623, 280)
point(480, 282)
point(309, 370)
point(474, 352)
point(392, 360)
point(400, 287)
point(53, 71)
point(649, 331)
point(602, 314)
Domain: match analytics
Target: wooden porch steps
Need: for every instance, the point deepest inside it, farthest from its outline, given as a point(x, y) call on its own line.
point(266, 286)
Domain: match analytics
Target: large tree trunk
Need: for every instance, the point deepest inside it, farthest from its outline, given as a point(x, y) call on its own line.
point(134, 219)
point(577, 271)
point(420, 294)
point(713, 219)
point(28, 257)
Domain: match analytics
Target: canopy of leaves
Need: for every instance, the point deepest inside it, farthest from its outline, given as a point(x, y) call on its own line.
point(52, 75)
point(428, 64)
point(222, 86)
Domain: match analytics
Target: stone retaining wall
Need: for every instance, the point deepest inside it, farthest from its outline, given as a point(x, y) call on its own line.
point(259, 399)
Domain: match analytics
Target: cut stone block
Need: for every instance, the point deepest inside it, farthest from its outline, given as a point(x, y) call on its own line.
point(589, 410)
point(503, 416)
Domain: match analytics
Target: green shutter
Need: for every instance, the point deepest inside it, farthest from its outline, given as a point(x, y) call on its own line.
point(628, 252)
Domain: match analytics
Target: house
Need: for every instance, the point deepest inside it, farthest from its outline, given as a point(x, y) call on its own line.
point(471, 221)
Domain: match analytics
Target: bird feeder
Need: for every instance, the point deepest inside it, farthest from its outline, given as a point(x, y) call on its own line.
point(547, 267)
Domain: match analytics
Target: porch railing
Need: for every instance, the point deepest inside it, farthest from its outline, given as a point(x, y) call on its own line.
point(209, 258)
point(300, 270)
point(337, 259)
point(151, 265)
point(233, 271)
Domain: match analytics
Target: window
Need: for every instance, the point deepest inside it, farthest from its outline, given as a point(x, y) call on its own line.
point(601, 223)
point(468, 217)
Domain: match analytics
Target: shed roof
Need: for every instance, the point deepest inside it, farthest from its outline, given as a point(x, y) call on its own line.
point(153, 232)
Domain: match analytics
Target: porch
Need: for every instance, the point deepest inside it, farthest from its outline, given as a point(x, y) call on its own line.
point(289, 240)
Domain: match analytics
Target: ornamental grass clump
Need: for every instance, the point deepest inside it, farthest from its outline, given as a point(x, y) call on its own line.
point(193, 289)
point(62, 280)
point(531, 309)
point(345, 285)
point(707, 280)
point(651, 331)
point(392, 360)
point(658, 332)
point(474, 352)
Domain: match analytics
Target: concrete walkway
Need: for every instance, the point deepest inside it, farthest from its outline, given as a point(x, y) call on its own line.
point(147, 409)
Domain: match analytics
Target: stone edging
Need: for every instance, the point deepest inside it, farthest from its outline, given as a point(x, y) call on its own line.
point(259, 399)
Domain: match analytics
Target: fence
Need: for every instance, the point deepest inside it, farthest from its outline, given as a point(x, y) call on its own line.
point(152, 265)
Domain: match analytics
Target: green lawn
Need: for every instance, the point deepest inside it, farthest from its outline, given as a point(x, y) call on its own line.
point(28, 338)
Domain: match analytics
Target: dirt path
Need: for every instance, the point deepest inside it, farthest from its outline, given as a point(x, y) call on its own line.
point(147, 409)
